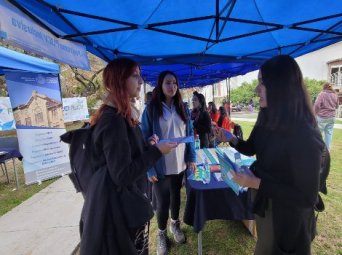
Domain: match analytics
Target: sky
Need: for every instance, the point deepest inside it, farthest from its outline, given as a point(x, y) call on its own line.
point(21, 84)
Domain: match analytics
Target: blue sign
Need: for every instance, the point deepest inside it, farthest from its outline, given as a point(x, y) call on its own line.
point(18, 29)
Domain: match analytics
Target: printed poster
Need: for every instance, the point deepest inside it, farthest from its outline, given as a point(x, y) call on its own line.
point(37, 110)
point(75, 108)
point(6, 115)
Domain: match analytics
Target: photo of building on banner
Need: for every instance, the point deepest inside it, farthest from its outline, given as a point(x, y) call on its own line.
point(75, 108)
point(38, 113)
point(6, 115)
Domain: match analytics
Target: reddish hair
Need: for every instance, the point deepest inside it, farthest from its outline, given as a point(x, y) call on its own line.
point(115, 76)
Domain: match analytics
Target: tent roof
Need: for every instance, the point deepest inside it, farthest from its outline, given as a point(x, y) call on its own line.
point(10, 59)
point(197, 34)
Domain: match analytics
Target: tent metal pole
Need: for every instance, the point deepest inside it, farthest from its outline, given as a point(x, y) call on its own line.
point(229, 96)
point(213, 87)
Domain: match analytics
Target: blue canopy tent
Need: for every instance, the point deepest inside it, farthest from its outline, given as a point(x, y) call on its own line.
point(12, 60)
point(203, 40)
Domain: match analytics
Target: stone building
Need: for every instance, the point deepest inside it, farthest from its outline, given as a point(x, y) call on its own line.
point(41, 111)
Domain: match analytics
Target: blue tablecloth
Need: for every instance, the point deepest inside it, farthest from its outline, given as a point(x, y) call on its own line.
point(214, 201)
point(10, 153)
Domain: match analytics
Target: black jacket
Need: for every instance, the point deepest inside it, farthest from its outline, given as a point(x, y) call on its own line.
point(122, 160)
point(202, 126)
point(288, 164)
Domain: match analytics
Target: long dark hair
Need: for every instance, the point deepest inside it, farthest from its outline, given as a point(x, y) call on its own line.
point(201, 100)
point(287, 98)
point(223, 114)
point(213, 107)
point(158, 97)
point(115, 76)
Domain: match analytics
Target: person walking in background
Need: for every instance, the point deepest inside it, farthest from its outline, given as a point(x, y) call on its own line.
point(168, 117)
point(121, 159)
point(214, 114)
point(201, 119)
point(325, 108)
point(284, 179)
point(251, 105)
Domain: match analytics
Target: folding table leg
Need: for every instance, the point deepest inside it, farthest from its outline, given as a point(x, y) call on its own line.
point(16, 174)
point(4, 170)
point(199, 242)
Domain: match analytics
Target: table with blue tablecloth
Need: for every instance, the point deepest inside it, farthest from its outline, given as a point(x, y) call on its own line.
point(215, 200)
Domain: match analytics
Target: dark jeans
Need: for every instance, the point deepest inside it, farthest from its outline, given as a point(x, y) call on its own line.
point(167, 194)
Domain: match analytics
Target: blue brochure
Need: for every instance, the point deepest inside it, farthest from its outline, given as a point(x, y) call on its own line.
point(183, 139)
point(227, 166)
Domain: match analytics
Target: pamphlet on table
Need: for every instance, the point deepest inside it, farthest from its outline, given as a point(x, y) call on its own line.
point(222, 161)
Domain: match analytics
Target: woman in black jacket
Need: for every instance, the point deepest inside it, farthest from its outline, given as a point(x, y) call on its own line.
point(288, 148)
point(201, 118)
point(115, 214)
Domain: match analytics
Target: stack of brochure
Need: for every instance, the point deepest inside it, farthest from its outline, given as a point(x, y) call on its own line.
point(227, 166)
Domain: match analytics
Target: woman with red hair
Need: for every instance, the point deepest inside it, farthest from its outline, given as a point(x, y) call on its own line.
point(116, 212)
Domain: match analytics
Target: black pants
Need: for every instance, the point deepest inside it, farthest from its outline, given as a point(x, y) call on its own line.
point(167, 194)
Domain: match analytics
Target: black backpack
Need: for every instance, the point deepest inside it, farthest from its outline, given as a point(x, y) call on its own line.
point(80, 156)
point(237, 131)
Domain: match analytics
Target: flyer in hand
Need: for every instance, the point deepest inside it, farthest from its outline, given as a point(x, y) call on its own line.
point(227, 166)
point(183, 139)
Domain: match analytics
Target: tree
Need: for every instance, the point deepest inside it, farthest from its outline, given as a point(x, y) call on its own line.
point(314, 87)
point(246, 91)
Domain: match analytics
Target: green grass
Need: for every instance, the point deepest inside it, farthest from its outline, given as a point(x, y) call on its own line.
point(231, 237)
point(222, 237)
point(9, 196)
point(338, 121)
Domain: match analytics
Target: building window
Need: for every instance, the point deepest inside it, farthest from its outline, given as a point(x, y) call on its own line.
point(336, 75)
point(39, 117)
point(54, 114)
point(28, 121)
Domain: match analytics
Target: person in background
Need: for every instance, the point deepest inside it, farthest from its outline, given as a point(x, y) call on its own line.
point(284, 179)
point(201, 119)
point(251, 105)
point(121, 159)
point(167, 117)
point(148, 97)
point(227, 106)
point(325, 108)
point(214, 114)
point(223, 120)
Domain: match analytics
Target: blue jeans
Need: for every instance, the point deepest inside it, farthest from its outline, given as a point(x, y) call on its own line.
point(326, 125)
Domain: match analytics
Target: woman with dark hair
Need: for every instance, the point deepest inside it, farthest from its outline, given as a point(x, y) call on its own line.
point(214, 114)
point(201, 119)
point(121, 159)
point(325, 108)
point(223, 120)
point(284, 180)
point(168, 117)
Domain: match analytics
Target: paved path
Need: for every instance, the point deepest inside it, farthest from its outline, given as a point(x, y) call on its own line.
point(337, 126)
point(47, 223)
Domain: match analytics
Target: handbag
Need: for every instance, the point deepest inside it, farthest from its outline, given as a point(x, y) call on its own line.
point(136, 207)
